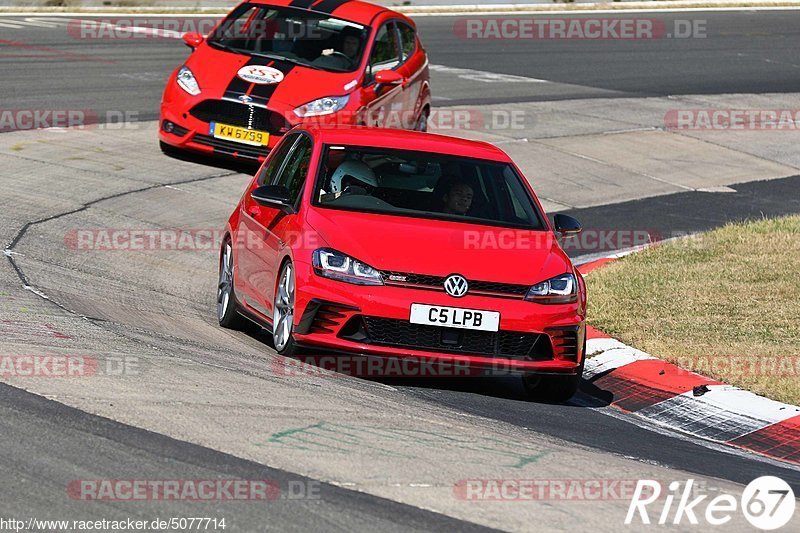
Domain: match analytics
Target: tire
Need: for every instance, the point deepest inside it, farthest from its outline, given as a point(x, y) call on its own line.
point(227, 309)
point(283, 312)
point(555, 389)
point(422, 121)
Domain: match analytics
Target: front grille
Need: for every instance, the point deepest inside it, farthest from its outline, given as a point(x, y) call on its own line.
point(490, 288)
point(242, 115)
point(231, 147)
point(403, 334)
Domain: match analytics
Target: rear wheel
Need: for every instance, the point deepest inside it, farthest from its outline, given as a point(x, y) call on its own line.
point(283, 314)
point(227, 312)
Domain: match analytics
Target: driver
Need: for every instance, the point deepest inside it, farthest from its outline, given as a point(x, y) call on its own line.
point(344, 55)
point(458, 199)
point(350, 43)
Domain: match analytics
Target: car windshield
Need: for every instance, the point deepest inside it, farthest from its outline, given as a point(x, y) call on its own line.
point(299, 36)
point(425, 185)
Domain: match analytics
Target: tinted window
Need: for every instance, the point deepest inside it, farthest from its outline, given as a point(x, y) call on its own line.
point(425, 185)
point(276, 160)
point(386, 53)
point(409, 39)
point(295, 35)
point(294, 173)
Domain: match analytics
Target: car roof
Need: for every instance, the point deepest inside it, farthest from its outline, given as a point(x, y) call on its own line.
point(352, 10)
point(406, 140)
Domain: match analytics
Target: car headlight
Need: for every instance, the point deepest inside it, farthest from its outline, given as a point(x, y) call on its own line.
point(187, 81)
point(322, 106)
point(558, 290)
point(336, 265)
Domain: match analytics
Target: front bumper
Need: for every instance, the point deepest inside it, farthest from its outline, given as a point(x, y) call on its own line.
point(185, 123)
point(374, 321)
point(190, 133)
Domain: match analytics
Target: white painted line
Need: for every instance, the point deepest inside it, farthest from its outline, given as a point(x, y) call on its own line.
point(115, 14)
point(421, 11)
point(588, 258)
point(483, 76)
point(649, 425)
point(614, 354)
point(170, 34)
point(486, 11)
point(721, 419)
point(746, 403)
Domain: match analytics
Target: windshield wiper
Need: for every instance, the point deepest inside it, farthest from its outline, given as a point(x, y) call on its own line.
point(221, 46)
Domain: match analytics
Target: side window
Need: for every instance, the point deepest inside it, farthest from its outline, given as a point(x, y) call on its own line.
point(386, 52)
point(409, 40)
point(294, 173)
point(276, 160)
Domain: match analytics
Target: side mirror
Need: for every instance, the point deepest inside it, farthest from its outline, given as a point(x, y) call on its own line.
point(566, 225)
point(276, 196)
point(388, 77)
point(192, 39)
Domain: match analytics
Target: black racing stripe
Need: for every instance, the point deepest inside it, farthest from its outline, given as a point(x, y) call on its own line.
point(302, 4)
point(328, 6)
point(264, 92)
point(238, 86)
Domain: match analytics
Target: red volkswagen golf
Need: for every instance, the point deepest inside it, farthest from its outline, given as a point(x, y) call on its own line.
point(402, 244)
point(272, 64)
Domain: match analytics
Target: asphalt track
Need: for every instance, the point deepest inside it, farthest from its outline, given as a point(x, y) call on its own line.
point(742, 52)
point(47, 444)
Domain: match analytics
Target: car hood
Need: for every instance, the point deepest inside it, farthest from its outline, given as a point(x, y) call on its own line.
point(440, 248)
point(217, 74)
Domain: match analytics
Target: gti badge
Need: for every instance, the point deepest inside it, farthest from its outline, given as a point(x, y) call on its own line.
point(245, 99)
point(456, 285)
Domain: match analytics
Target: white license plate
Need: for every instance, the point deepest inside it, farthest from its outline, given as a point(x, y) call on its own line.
point(455, 317)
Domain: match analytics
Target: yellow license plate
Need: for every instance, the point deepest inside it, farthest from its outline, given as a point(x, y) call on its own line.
point(242, 135)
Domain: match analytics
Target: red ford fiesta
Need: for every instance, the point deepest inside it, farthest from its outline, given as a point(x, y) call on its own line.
point(272, 64)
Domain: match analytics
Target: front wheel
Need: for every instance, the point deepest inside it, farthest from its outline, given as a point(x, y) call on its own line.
point(283, 312)
point(557, 389)
point(422, 121)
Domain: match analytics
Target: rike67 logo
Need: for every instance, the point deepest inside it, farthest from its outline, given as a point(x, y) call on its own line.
point(767, 503)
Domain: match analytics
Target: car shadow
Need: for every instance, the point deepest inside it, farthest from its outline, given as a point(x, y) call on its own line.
point(225, 163)
point(505, 387)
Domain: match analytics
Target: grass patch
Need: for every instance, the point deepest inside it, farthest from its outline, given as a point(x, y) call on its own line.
point(725, 304)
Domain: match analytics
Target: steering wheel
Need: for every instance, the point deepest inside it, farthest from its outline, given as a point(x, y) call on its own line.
point(342, 56)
